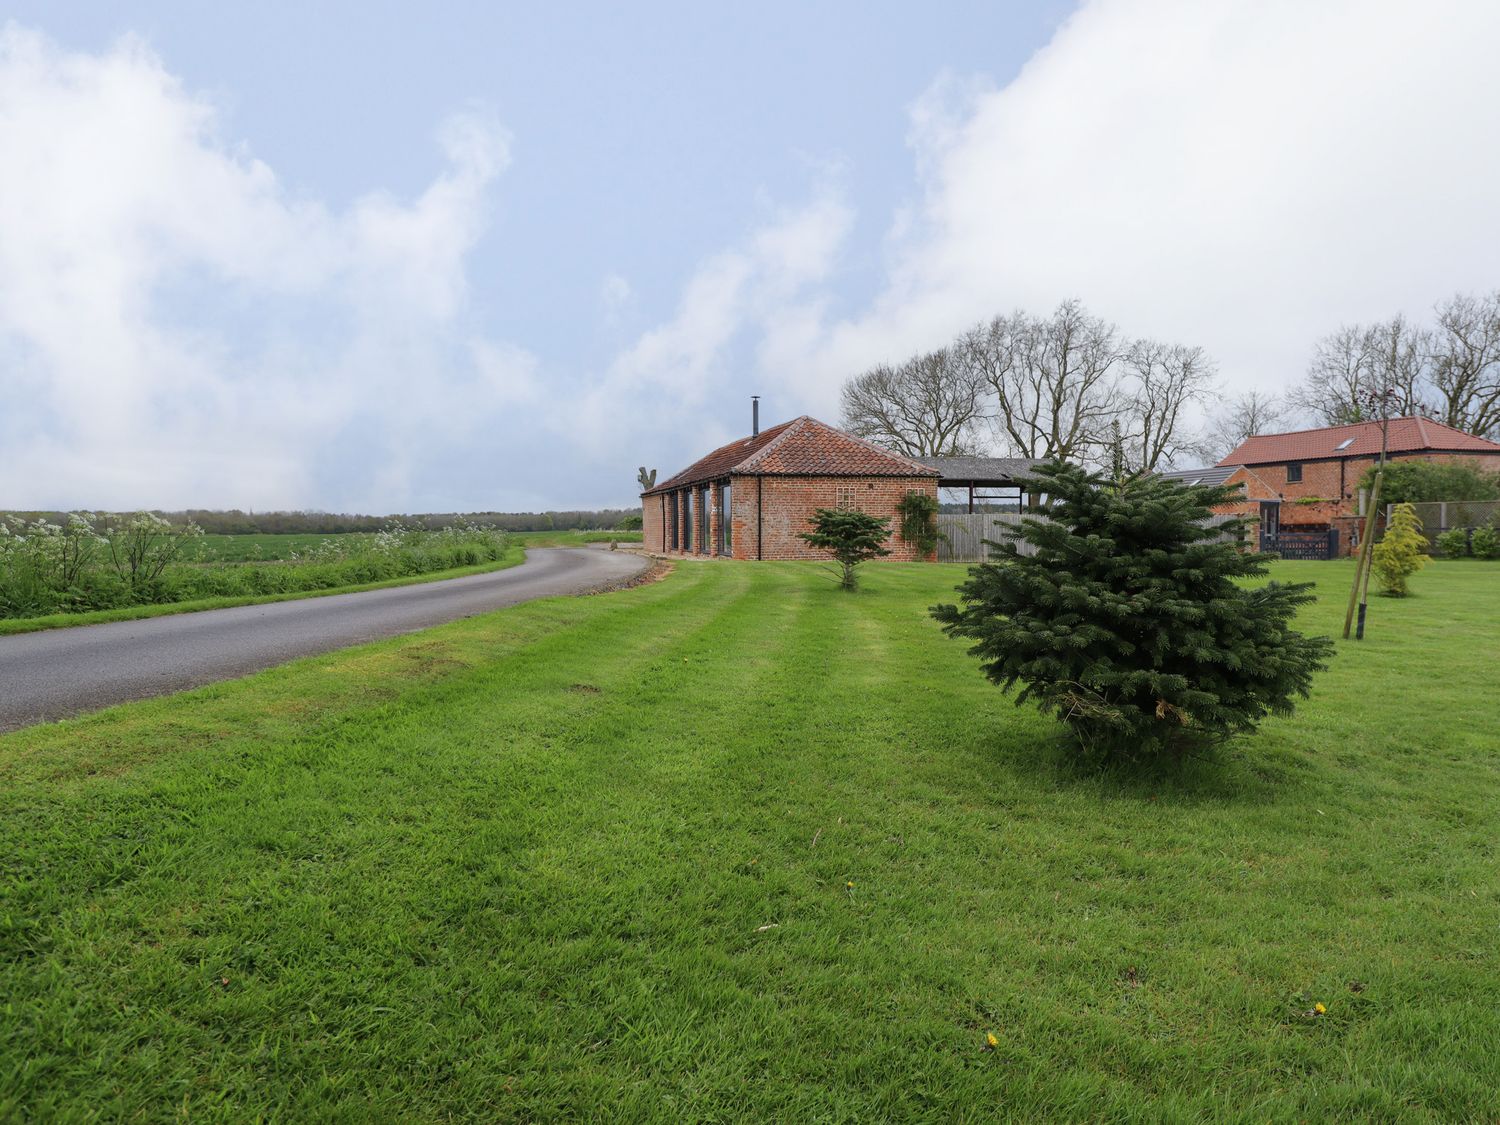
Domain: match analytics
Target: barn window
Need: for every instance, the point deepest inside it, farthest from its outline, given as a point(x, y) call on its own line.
point(1294, 472)
point(726, 521)
point(843, 498)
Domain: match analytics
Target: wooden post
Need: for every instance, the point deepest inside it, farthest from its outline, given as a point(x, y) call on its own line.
point(1364, 552)
point(1366, 545)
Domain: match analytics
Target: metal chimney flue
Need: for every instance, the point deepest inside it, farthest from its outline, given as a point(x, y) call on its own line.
point(755, 415)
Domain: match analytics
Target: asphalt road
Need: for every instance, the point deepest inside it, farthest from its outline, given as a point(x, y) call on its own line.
point(62, 672)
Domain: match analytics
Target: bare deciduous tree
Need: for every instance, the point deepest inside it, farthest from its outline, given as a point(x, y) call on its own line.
point(927, 407)
point(1465, 358)
point(1340, 374)
point(1255, 412)
point(1400, 363)
point(1054, 381)
point(1389, 361)
point(1164, 380)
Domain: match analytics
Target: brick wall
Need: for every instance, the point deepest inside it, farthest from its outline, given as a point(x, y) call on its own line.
point(653, 527)
point(789, 502)
point(1326, 494)
point(1336, 482)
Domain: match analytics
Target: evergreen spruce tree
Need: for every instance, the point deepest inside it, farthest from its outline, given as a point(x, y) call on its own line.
point(1129, 624)
point(851, 537)
point(1400, 554)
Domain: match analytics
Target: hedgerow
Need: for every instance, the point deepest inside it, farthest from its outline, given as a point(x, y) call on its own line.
point(88, 563)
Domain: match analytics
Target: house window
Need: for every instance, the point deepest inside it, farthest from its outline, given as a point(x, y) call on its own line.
point(843, 498)
point(1294, 472)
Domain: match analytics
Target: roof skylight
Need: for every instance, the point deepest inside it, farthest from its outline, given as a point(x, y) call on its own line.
point(1345, 444)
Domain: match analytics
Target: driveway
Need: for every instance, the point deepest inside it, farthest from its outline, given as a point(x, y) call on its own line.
point(61, 672)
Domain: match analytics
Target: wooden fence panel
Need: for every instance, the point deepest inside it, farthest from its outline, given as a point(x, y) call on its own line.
point(964, 534)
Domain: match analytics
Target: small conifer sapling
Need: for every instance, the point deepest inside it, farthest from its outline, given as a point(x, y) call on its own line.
point(850, 536)
point(1401, 551)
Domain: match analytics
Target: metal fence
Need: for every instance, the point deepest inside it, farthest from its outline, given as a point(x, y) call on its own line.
point(966, 536)
point(1439, 516)
point(1319, 545)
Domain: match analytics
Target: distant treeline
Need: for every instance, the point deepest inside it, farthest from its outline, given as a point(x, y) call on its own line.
point(236, 522)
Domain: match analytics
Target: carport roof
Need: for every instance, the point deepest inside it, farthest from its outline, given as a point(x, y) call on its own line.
point(982, 470)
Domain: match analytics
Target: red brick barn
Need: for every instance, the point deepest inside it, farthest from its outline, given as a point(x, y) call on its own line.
point(752, 498)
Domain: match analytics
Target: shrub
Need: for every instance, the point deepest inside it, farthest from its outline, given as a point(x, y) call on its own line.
point(919, 521)
point(1127, 623)
point(1454, 543)
point(142, 546)
point(1485, 543)
point(851, 537)
point(50, 567)
point(1399, 554)
point(1412, 482)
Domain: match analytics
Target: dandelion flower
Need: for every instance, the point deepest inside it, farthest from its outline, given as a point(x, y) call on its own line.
point(1319, 1009)
point(850, 884)
point(989, 1038)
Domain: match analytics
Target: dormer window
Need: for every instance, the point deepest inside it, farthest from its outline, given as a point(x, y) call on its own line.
point(1294, 472)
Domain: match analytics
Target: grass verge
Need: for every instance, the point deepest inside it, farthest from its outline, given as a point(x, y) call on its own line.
point(738, 846)
point(514, 556)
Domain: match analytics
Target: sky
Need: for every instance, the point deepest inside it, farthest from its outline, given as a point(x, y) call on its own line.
point(449, 257)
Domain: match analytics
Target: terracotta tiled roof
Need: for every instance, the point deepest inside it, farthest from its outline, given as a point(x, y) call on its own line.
point(801, 447)
point(719, 463)
point(1362, 439)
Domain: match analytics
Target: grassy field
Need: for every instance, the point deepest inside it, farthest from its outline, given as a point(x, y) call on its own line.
point(738, 846)
point(253, 548)
point(574, 538)
point(250, 548)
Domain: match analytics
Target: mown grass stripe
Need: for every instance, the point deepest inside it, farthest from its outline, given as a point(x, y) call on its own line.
point(440, 880)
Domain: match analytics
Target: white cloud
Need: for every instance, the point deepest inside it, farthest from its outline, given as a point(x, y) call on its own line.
point(178, 329)
point(615, 294)
point(665, 382)
point(1241, 175)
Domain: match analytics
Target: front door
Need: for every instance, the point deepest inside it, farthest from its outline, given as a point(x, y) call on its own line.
point(1270, 520)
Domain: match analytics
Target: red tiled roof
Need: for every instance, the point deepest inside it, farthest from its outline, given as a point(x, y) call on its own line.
point(801, 447)
point(1407, 435)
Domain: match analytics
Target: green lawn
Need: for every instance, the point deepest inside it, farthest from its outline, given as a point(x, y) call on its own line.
point(737, 846)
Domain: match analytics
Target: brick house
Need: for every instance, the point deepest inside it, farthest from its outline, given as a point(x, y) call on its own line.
point(752, 498)
point(1308, 481)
